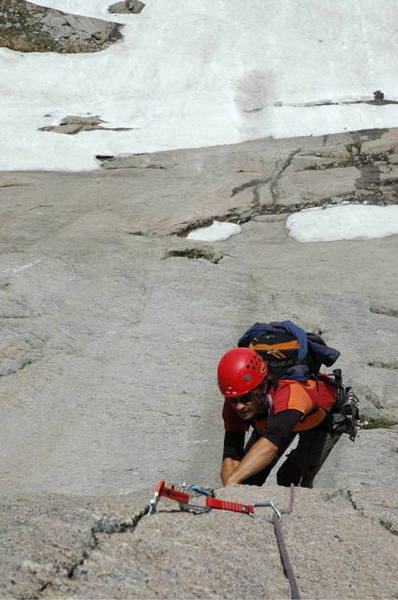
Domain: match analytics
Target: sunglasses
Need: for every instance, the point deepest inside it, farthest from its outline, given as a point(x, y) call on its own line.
point(245, 398)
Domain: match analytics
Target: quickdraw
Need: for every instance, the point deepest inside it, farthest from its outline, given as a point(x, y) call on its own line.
point(183, 498)
point(180, 496)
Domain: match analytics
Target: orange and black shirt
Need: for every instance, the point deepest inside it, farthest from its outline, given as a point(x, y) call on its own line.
point(292, 406)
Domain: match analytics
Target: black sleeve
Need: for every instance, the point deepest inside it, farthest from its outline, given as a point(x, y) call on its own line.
point(234, 442)
point(281, 425)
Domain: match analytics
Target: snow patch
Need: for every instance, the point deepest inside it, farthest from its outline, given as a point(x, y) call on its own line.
point(348, 222)
point(217, 232)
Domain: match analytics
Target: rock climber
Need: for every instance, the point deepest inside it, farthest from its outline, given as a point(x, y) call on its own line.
point(277, 411)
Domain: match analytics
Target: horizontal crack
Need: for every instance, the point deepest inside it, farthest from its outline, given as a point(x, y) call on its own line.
point(15, 317)
point(249, 184)
point(8, 185)
point(379, 364)
point(354, 160)
point(375, 102)
point(205, 222)
point(195, 253)
point(245, 214)
point(384, 310)
point(380, 423)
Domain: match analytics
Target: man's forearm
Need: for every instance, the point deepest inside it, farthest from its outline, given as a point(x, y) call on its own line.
point(227, 467)
point(260, 455)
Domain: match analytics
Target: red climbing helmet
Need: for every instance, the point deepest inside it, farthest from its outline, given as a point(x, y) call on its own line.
point(239, 371)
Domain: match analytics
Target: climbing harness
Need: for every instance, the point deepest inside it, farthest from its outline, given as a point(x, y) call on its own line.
point(211, 502)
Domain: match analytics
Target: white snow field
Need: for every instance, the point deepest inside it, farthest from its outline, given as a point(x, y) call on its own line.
point(191, 74)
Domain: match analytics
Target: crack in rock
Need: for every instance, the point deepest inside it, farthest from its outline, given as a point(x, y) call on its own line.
point(101, 157)
point(378, 423)
point(332, 495)
point(388, 526)
point(275, 180)
point(184, 229)
point(349, 496)
point(113, 523)
point(108, 524)
point(249, 184)
point(213, 256)
point(356, 159)
point(374, 102)
point(8, 185)
point(254, 183)
point(384, 310)
point(69, 569)
point(92, 545)
point(18, 355)
point(247, 213)
point(379, 364)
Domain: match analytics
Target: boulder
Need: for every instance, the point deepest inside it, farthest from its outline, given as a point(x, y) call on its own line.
point(27, 27)
point(73, 124)
point(128, 6)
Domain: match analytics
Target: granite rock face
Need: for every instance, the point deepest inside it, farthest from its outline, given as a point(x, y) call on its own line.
point(112, 325)
point(270, 176)
point(27, 27)
point(341, 544)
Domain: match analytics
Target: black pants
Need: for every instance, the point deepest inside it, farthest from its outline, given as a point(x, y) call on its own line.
point(302, 463)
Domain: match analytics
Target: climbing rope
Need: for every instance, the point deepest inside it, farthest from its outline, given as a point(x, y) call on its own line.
point(183, 498)
point(286, 564)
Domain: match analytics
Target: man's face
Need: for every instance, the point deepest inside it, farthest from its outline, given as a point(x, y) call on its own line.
point(251, 404)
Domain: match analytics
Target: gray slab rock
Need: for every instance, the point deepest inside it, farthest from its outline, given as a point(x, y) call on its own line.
point(304, 186)
point(112, 325)
point(42, 538)
point(27, 27)
point(338, 541)
point(353, 465)
point(273, 176)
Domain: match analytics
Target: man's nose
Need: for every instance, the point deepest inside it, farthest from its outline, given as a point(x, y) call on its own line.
point(239, 405)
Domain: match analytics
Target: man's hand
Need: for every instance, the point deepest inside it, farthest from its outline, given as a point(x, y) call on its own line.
point(260, 455)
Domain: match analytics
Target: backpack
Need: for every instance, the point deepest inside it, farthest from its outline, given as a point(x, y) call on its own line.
point(291, 352)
